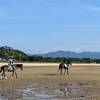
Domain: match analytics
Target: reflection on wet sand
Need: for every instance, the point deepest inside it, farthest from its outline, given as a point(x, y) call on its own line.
point(9, 95)
point(80, 91)
point(40, 91)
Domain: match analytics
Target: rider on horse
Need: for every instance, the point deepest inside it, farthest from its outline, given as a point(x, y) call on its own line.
point(10, 63)
point(65, 62)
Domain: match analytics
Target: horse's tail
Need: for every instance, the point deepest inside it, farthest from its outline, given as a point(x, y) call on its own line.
point(1, 70)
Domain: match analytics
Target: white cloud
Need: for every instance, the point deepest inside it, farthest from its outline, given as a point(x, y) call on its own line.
point(51, 50)
point(77, 49)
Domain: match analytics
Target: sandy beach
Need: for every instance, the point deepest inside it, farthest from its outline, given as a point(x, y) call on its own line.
point(43, 81)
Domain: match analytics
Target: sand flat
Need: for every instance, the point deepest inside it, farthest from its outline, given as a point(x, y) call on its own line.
point(43, 81)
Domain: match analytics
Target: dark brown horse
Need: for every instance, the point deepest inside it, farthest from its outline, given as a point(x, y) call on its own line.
point(4, 69)
point(62, 66)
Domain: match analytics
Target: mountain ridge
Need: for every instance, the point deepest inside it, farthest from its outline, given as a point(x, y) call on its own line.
point(69, 54)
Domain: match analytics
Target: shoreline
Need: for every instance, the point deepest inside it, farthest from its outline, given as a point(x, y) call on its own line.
point(51, 64)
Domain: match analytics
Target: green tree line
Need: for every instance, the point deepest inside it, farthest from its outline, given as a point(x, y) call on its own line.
point(6, 52)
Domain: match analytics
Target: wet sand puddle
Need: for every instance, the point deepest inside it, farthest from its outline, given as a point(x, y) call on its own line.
point(50, 91)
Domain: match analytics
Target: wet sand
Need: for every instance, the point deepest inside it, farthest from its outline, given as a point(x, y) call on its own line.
point(42, 82)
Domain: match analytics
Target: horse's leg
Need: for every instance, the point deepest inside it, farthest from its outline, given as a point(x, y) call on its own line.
point(16, 75)
point(60, 71)
point(4, 75)
point(67, 71)
point(12, 74)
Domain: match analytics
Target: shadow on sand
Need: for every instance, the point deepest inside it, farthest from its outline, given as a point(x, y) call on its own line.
point(51, 74)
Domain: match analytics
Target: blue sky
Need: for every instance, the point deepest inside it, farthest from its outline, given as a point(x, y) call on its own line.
point(41, 26)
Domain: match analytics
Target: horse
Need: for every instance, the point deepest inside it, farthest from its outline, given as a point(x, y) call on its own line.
point(62, 66)
point(4, 69)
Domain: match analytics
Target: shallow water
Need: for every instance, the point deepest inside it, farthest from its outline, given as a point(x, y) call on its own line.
point(50, 91)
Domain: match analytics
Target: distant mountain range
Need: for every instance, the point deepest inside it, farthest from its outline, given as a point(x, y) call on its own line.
point(68, 54)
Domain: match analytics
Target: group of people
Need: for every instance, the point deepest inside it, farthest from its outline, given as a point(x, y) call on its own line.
point(10, 62)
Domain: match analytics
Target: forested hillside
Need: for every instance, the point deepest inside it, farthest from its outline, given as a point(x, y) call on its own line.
point(6, 52)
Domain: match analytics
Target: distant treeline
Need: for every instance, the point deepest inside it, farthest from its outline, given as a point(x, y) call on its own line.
point(6, 52)
point(60, 59)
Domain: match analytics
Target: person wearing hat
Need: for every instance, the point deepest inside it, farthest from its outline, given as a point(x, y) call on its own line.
point(10, 63)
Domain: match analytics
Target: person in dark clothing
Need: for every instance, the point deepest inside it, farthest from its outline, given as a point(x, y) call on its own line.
point(65, 62)
point(68, 61)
